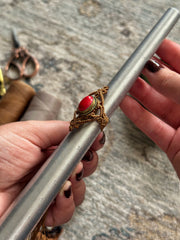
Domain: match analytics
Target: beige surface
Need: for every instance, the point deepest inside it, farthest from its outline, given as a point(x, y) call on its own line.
point(80, 45)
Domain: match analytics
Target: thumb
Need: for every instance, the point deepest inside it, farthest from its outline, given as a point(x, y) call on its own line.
point(43, 134)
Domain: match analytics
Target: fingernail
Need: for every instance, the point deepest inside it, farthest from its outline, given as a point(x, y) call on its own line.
point(67, 193)
point(144, 78)
point(79, 175)
point(103, 139)
point(66, 190)
point(88, 156)
point(153, 66)
point(53, 232)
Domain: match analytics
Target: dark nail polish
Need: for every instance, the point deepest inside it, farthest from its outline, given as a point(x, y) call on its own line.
point(103, 139)
point(67, 193)
point(153, 66)
point(88, 156)
point(144, 78)
point(53, 232)
point(79, 175)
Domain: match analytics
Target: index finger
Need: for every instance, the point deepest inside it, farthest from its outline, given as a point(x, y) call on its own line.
point(160, 132)
point(169, 51)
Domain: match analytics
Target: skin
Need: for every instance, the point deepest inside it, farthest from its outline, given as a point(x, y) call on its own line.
point(160, 119)
point(25, 146)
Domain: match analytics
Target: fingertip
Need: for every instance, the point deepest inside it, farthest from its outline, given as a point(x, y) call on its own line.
point(77, 170)
point(88, 157)
point(52, 232)
point(66, 190)
point(102, 140)
point(61, 211)
point(78, 185)
point(169, 51)
point(91, 163)
point(79, 190)
point(99, 142)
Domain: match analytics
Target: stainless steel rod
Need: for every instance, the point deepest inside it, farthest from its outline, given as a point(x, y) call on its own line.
point(31, 204)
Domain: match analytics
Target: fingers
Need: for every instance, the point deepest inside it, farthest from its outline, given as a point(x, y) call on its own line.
point(99, 142)
point(160, 132)
point(169, 51)
point(73, 192)
point(44, 135)
point(164, 80)
point(78, 185)
point(162, 99)
point(62, 209)
point(71, 195)
point(161, 106)
point(90, 162)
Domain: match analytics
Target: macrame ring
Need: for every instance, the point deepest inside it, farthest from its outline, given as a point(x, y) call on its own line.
point(91, 108)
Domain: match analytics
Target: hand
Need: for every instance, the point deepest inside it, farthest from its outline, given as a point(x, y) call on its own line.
point(162, 98)
point(25, 146)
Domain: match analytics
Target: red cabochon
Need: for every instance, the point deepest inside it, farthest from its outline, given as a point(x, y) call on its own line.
point(85, 103)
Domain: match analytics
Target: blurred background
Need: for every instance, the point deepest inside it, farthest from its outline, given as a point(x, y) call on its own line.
point(80, 45)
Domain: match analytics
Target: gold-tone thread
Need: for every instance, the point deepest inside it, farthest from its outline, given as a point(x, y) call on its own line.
point(2, 86)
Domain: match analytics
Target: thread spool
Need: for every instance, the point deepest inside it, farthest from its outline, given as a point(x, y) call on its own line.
point(43, 106)
point(15, 101)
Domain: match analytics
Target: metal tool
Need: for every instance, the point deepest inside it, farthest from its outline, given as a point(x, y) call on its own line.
point(22, 63)
point(32, 203)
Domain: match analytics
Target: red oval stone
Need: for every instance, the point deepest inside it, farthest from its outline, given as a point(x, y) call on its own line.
point(85, 103)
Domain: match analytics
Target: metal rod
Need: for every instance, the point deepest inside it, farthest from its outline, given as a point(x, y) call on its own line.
point(31, 204)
